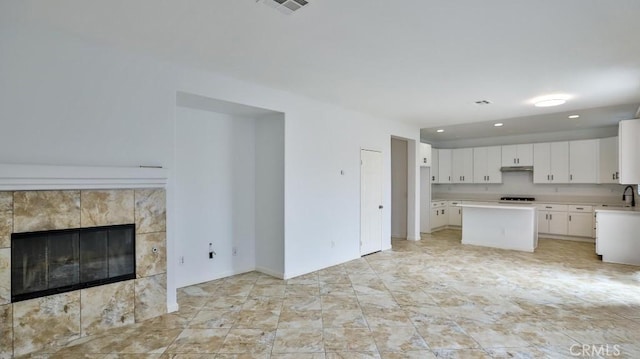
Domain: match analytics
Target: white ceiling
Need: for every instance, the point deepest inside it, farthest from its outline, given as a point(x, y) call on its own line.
point(420, 61)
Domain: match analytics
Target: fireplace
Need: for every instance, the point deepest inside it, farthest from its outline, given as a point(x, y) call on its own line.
point(58, 261)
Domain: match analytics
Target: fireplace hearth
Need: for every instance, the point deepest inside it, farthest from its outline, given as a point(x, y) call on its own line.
point(58, 261)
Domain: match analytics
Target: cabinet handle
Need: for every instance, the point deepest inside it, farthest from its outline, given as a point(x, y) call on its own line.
point(552, 177)
point(613, 176)
point(449, 178)
point(488, 178)
point(433, 178)
point(546, 216)
point(580, 208)
point(550, 216)
point(569, 218)
point(617, 175)
point(548, 207)
point(443, 211)
point(518, 160)
point(514, 160)
point(424, 160)
point(459, 211)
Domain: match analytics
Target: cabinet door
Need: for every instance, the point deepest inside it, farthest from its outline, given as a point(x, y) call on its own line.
point(524, 155)
point(455, 216)
point(543, 222)
point(434, 165)
point(580, 224)
point(434, 218)
point(444, 166)
point(608, 160)
point(425, 155)
point(558, 223)
point(462, 165)
point(629, 151)
point(480, 161)
point(560, 162)
point(541, 163)
point(509, 155)
point(583, 161)
point(494, 161)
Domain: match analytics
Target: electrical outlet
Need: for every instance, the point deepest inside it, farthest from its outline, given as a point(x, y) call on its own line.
point(234, 251)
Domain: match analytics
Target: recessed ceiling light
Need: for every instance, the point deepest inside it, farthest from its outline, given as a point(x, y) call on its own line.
point(440, 131)
point(550, 100)
point(499, 124)
point(574, 116)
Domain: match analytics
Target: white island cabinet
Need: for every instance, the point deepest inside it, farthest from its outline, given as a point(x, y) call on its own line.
point(498, 225)
point(617, 239)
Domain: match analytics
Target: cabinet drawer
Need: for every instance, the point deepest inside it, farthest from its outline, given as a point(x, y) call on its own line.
point(454, 203)
point(576, 208)
point(552, 207)
point(438, 204)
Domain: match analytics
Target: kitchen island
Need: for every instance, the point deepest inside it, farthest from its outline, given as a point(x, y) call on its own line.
point(618, 235)
point(500, 225)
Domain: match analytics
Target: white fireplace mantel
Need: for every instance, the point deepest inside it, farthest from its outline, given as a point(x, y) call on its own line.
point(18, 177)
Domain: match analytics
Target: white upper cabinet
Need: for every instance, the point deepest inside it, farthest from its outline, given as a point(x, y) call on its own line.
point(629, 151)
point(425, 155)
point(434, 165)
point(608, 163)
point(462, 165)
point(583, 161)
point(517, 155)
point(551, 162)
point(486, 164)
point(444, 166)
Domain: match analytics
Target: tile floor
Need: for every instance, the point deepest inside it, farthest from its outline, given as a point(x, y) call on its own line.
point(429, 299)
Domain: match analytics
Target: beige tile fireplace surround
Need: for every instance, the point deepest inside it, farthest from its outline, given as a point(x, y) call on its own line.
point(35, 324)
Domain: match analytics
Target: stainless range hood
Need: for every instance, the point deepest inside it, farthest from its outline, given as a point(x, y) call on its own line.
point(516, 169)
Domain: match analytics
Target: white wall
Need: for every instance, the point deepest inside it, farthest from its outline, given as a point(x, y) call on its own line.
point(269, 190)
point(67, 101)
point(214, 194)
point(398, 188)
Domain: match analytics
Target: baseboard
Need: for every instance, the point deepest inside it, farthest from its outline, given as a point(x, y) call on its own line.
point(413, 238)
point(270, 272)
point(567, 238)
point(172, 307)
point(221, 275)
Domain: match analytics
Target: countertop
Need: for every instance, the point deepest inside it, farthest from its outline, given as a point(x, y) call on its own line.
point(619, 205)
point(633, 210)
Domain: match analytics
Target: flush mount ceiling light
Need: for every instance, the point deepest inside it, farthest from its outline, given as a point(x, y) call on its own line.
point(550, 100)
point(499, 124)
point(574, 116)
point(440, 131)
point(286, 6)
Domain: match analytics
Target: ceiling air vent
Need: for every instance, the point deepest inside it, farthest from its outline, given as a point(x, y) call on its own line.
point(286, 6)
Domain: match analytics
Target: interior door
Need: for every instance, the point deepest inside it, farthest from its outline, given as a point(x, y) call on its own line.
point(370, 202)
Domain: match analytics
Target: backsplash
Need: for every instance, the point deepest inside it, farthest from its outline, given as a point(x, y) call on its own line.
point(521, 183)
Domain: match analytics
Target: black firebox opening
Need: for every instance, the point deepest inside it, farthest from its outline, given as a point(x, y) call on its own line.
point(58, 261)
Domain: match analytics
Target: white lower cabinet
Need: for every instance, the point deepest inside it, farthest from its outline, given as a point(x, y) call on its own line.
point(552, 219)
point(581, 221)
point(439, 214)
point(455, 214)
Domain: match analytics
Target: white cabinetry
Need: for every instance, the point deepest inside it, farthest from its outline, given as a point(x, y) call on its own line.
point(444, 166)
point(462, 165)
point(629, 151)
point(517, 155)
point(583, 161)
point(425, 155)
point(439, 216)
point(608, 160)
point(455, 214)
point(551, 162)
point(552, 219)
point(486, 164)
point(580, 221)
point(434, 165)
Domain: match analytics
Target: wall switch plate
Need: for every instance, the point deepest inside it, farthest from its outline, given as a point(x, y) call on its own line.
point(210, 255)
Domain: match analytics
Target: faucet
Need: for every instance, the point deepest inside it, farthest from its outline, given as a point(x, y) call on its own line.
point(633, 196)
